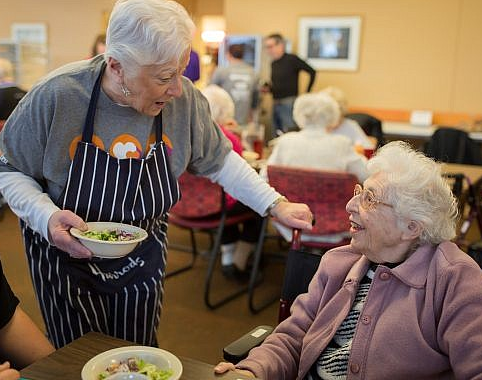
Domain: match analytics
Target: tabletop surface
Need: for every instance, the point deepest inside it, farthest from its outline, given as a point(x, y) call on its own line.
point(404, 129)
point(67, 362)
point(473, 172)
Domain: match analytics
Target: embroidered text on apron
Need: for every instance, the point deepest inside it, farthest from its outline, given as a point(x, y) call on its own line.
point(119, 297)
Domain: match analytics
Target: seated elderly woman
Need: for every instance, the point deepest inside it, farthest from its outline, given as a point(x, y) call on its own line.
point(236, 244)
point(316, 148)
point(401, 301)
point(313, 147)
point(348, 127)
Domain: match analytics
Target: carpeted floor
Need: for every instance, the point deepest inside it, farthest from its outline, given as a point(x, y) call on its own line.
point(188, 327)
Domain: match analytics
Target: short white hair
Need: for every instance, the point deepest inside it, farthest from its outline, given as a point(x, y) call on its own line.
point(148, 32)
point(417, 190)
point(220, 103)
point(315, 111)
point(339, 97)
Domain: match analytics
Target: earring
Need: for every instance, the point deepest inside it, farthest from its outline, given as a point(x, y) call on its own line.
point(125, 90)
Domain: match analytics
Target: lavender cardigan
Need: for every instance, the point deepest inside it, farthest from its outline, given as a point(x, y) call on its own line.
point(421, 320)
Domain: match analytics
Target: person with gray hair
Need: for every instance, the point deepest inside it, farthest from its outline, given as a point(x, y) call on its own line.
point(400, 301)
point(345, 126)
point(105, 139)
point(236, 244)
point(314, 147)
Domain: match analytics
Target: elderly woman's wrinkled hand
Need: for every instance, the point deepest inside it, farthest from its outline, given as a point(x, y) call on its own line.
point(225, 367)
point(59, 225)
point(294, 215)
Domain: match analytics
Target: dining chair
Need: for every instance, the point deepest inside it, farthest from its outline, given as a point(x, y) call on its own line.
point(301, 266)
point(326, 193)
point(202, 208)
point(469, 198)
point(453, 145)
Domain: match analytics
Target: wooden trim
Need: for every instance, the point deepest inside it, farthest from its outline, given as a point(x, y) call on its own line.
point(453, 119)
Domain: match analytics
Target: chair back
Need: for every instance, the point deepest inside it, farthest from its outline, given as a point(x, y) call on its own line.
point(370, 125)
point(301, 266)
point(453, 145)
point(325, 192)
point(200, 197)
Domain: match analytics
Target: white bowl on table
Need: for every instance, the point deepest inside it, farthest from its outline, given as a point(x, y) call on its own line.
point(160, 358)
point(110, 249)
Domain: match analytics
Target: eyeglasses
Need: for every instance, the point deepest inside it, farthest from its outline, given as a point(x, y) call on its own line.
point(368, 200)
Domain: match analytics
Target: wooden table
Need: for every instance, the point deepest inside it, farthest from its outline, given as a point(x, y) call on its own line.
point(394, 129)
point(67, 362)
point(473, 172)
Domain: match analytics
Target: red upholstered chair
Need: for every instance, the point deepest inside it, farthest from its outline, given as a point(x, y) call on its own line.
point(326, 193)
point(202, 207)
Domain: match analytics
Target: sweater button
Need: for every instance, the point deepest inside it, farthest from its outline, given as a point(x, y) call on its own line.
point(384, 276)
point(366, 319)
point(355, 368)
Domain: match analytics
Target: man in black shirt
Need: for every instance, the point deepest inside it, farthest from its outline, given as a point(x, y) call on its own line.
point(285, 69)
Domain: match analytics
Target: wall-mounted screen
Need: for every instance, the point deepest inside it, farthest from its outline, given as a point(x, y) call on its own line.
point(253, 45)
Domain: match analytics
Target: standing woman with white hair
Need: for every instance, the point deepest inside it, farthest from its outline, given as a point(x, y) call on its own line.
point(105, 139)
point(313, 146)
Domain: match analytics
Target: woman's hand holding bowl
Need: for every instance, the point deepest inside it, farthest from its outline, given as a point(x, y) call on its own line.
point(59, 225)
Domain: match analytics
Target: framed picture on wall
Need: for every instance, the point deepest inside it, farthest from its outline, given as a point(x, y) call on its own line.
point(330, 43)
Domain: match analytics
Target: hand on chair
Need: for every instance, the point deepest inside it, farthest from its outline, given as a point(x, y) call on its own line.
point(295, 215)
point(225, 367)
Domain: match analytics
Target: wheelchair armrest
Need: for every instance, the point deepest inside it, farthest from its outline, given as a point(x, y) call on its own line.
point(239, 349)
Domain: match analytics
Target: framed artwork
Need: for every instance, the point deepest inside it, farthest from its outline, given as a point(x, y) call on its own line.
point(330, 43)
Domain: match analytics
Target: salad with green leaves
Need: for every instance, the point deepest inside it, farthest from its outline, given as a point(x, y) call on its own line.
point(111, 235)
point(136, 365)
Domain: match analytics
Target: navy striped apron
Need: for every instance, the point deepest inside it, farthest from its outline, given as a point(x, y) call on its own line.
point(119, 297)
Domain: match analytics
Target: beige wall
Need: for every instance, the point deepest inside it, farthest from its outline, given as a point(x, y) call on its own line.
point(72, 25)
point(414, 54)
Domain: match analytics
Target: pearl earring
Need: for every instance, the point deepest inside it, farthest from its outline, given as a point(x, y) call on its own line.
point(125, 90)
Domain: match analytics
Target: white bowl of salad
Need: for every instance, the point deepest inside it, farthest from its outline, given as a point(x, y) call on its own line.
point(109, 239)
point(133, 362)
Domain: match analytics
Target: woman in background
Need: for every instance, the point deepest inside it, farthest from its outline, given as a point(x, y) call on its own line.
point(99, 45)
point(348, 127)
point(314, 146)
point(236, 245)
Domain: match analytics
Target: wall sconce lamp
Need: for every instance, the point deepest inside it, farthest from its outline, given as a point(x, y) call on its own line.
point(213, 29)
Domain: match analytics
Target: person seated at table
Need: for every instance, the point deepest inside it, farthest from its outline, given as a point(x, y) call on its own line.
point(348, 127)
point(21, 342)
point(401, 301)
point(236, 245)
point(313, 146)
